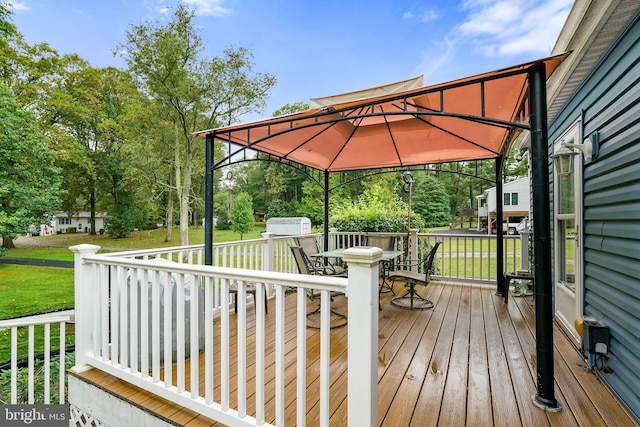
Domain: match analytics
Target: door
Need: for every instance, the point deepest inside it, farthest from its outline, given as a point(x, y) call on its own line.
point(567, 239)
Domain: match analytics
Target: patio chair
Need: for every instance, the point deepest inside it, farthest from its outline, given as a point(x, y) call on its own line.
point(306, 266)
point(251, 290)
point(411, 299)
point(309, 245)
point(386, 243)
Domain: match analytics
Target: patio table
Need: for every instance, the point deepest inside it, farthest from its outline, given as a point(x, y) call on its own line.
point(387, 256)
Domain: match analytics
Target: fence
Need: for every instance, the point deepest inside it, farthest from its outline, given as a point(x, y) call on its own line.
point(44, 381)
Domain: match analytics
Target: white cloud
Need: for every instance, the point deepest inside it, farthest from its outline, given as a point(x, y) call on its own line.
point(437, 55)
point(509, 27)
point(424, 16)
point(428, 15)
point(201, 7)
point(208, 7)
point(18, 6)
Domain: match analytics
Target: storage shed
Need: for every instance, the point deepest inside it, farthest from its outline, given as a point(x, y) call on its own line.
point(289, 226)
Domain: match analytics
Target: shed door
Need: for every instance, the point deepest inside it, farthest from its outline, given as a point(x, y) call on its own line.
point(567, 240)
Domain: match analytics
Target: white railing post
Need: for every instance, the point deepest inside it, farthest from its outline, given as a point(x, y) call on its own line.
point(524, 250)
point(362, 291)
point(84, 294)
point(268, 259)
point(333, 238)
point(268, 251)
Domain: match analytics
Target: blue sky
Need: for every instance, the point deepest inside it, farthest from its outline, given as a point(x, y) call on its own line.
point(318, 48)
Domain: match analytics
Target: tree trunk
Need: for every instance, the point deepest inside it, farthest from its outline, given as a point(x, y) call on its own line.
point(8, 243)
point(184, 200)
point(170, 208)
point(183, 185)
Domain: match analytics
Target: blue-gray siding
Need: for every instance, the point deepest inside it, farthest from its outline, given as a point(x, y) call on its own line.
point(610, 98)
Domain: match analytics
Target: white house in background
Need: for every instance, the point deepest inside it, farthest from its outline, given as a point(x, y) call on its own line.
point(80, 220)
point(516, 204)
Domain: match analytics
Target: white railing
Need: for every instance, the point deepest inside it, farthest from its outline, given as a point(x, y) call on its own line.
point(40, 377)
point(145, 321)
point(460, 258)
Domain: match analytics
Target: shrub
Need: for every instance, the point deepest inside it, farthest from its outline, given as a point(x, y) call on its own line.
point(374, 211)
point(23, 381)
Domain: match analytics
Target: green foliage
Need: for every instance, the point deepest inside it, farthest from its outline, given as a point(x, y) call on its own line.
point(376, 210)
point(29, 181)
point(223, 222)
point(125, 216)
point(276, 209)
point(192, 92)
point(296, 107)
point(38, 391)
point(312, 205)
point(221, 210)
point(430, 201)
point(242, 214)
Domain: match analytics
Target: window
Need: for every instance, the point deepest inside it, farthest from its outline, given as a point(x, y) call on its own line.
point(507, 199)
point(514, 199)
point(64, 221)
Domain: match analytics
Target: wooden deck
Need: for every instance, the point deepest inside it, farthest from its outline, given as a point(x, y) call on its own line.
point(469, 361)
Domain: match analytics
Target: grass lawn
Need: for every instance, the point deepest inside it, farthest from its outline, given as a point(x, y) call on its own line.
point(58, 244)
point(28, 290)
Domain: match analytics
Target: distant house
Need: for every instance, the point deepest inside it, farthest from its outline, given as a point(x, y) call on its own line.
point(81, 221)
point(516, 203)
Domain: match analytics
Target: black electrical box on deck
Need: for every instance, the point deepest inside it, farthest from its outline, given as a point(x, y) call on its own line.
point(596, 337)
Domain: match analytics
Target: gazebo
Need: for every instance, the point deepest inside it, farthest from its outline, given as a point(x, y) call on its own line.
point(399, 126)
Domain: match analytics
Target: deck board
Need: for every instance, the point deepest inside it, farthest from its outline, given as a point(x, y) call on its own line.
point(453, 408)
point(471, 360)
point(503, 399)
point(478, 399)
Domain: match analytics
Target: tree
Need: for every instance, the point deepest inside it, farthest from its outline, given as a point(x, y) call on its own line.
point(276, 209)
point(193, 92)
point(430, 200)
point(376, 210)
point(29, 181)
point(221, 209)
point(242, 214)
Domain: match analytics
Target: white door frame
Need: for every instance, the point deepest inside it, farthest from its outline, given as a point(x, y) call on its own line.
point(569, 304)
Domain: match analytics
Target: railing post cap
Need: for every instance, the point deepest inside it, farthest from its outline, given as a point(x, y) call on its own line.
point(364, 256)
point(267, 234)
point(85, 249)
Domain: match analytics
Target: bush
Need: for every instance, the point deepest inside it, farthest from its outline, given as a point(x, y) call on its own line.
point(276, 209)
point(71, 229)
point(23, 381)
point(101, 231)
point(374, 212)
point(223, 220)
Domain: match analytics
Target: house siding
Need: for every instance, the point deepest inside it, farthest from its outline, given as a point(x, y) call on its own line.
point(609, 102)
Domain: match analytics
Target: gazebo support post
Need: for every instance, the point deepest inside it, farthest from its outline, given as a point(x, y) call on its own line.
point(500, 282)
point(326, 210)
point(544, 398)
point(208, 201)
